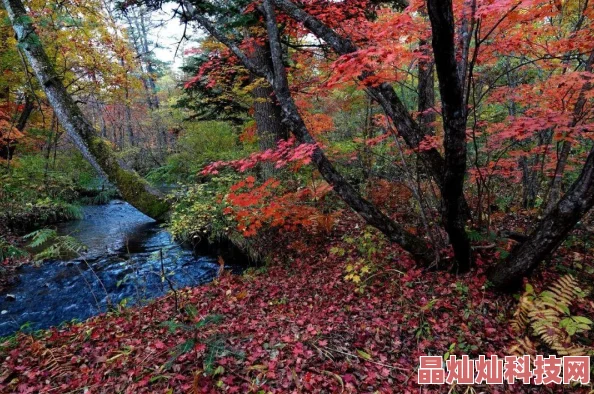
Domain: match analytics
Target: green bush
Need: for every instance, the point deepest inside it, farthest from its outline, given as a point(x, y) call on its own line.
point(200, 212)
point(200, 144)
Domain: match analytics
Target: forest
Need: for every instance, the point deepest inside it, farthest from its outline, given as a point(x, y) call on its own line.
point(296, 196)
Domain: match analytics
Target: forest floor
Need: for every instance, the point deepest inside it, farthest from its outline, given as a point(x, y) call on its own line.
point(296, 325)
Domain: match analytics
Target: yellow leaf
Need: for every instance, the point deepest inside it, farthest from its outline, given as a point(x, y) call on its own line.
point(364, 355)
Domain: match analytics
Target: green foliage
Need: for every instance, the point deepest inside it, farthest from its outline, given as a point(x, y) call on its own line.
point(133, 188)
point(188, 345)
point(361, 261)
point(215, 348)
point(101, 198)
point(200, 212)
point(41, 237)
point(60, 246)
point(9, 251)
point(73, 211)
point(474, 235)
point(37, 192)
point(200, 144)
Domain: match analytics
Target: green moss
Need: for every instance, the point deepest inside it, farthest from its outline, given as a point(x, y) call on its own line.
point(132, 187)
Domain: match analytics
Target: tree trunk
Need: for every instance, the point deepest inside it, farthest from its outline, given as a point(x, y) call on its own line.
point(97, 151)
point(27, 111)
point(384, 94)
point(150, 69)
point(267, 112)
point(551, 231)
point(128, 114)
point(139, 35)
point(529, 177)
point(7, 151)
point(426, 92)
point(441, 16)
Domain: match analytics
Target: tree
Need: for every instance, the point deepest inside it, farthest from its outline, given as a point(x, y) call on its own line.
point(97, 151)
point(276, 76)
point(553, 229)
point(578, 112)
point(550, 232)
point(470, 66)
point(454, 114)
point(267, 111)
point(449, 172)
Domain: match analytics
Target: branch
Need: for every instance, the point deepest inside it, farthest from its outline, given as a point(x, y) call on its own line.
point(190, 13)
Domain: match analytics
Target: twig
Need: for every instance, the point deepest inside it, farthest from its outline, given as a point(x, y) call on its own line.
point(164, 275)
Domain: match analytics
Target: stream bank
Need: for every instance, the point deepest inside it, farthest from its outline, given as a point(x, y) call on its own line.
point(130, 259)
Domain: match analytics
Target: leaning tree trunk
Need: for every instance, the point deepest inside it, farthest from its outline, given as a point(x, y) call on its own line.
point(27, 111)
point(98, 152)
point(416, 246)
point(384, 94)
point(410, 131)
point(551, 231)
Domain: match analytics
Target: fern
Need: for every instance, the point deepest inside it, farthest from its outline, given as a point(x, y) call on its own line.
point(546, 316)
point(71, 245)
point(103, 197)
point(52, 252)
point(40, 237)
point(474, 235)
point(73, 211)
point(9, 251)
point(61, 245)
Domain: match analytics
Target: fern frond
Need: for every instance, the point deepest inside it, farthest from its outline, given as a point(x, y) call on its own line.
point(548, 317)
point(73, 211)
point(40, 237)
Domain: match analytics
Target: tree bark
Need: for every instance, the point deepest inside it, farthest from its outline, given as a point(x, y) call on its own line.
point(441, 15)
point(557, 182)
point(551, 231)
point(27, 111)
point(139, 36)
point(146, 56)
point(267, 111)
point(95, 150)
point(529, 181)
point(426, 91)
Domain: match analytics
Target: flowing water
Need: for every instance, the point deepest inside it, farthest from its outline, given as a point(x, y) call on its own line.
point(129, 258)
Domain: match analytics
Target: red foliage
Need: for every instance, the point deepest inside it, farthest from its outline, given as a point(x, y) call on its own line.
point(285, 153)
point(300, 328)
point(268, 204)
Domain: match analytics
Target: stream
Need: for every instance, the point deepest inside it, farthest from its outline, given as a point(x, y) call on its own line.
point(128, 257)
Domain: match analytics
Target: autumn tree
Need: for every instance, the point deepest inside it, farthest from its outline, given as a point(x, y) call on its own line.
point(458, 45)
point(451, 181)
point(223, 82)
point(277, 77)
point(94, 149)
